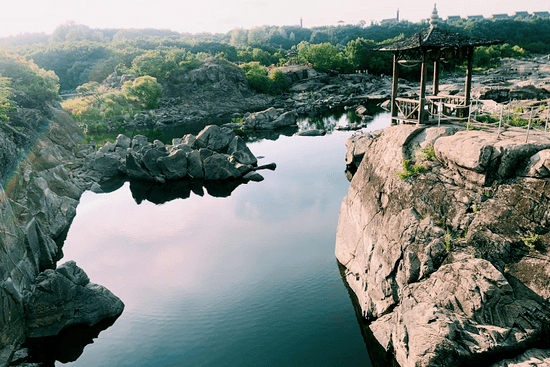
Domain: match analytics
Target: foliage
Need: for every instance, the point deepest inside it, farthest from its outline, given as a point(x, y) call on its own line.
point(489, 57)
point(531, 241)
point(6, 104)
point(323, 56)
point(279, 81)
point(27, 77)
point(145, 90)
point(428, 153)
point(410, 170)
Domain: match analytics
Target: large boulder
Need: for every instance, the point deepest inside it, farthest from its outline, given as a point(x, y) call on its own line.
point(219, 167)
point(239, 150)
point(174, 165)
point(270, 119)
point(215, 138)
point(64, 297)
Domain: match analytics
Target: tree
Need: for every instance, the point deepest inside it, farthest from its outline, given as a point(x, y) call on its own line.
point(145, 90)
point(6, 104)
point(323, 56)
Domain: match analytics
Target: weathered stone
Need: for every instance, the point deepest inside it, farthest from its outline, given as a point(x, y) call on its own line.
point(43, 249)
point(218, 167)
point(134, 167)
point(65, 297)
point(194, 165)
point(215, 138)
point(411, 246)
point(174, 166)
point(253, 176)
point(150, 161)
point(105, 165)
point(239, 150)
point(139, 141)
point(107, 148)
point(531, 358)
point(270, 119)
point(539, 165)
point(122, 141)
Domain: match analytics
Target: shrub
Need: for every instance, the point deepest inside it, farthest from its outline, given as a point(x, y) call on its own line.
point(145, 90)
point(410, 170)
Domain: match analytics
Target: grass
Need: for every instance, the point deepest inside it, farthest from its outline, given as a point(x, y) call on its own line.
point(531, 241)
point(410, 170)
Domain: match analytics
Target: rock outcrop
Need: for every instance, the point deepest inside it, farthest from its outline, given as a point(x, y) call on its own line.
point(448, 262)
point(216, 153)
point(38, 198)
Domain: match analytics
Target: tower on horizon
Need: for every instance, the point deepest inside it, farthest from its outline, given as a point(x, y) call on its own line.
point(397, 15)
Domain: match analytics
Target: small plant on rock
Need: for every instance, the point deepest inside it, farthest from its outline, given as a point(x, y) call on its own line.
point(410, 170)
point(531, 241)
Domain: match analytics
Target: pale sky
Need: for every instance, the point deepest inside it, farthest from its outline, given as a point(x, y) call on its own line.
point(29, 16)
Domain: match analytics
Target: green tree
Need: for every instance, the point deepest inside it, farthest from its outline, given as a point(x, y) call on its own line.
point(6, 104)
point(323, 56)
point(279, 81)
point(145, 90)
point(25, 76)
point(151, 63)
point(257, 77)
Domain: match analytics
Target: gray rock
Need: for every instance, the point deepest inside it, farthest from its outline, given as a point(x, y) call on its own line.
point(64, 297)
point(253, 176)
point(311, 132)
point(139, 141)
point(107, 148)
point(135, 168)
point(104, 165)
point(270, 119)
point(150, 161)
point(539, 165)
point(215, 138)
point(194, 165)
point(174, 166)
point(122, 141)
point(219, 167)
point(43, 249)
point(239, 150)
point(531, 358)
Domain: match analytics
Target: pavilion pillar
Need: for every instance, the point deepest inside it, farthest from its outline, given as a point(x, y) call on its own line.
point(436, 78)
point(468, 86)
point(422, 90)
point(394, 87)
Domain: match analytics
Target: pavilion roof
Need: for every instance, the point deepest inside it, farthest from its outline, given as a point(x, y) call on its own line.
point(435, 37)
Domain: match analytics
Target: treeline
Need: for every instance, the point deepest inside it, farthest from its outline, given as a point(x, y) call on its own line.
point(78, 54)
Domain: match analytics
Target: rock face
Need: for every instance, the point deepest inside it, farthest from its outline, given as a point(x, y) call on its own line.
point(448, 265)
point(64, 297)
point(39, 192)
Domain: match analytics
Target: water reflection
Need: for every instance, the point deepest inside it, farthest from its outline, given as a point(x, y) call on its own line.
point(65, 347)
point(248, 279)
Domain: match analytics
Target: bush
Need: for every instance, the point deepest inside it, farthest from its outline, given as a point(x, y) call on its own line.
point(145, 90)
point(279, 81)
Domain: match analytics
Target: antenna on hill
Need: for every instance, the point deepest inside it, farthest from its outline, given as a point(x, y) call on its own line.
point(301, 23)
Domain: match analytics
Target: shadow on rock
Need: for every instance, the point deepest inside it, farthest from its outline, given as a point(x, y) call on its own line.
point(65, 347)
point(379, 357)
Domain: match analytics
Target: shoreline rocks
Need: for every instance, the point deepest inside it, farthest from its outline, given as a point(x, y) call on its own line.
point(439, 261)
point(216, 153)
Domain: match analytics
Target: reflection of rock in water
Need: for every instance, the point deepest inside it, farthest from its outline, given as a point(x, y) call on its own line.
point(161, 193)
point(65, 347)
point(378, 356)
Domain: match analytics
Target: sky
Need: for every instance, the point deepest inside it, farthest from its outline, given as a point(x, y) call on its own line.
point(221, 16)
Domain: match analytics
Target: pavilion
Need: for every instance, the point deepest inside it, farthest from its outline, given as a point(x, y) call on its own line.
point(435, 45)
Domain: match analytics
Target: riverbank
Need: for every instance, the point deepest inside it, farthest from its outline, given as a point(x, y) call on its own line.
point(444, 235)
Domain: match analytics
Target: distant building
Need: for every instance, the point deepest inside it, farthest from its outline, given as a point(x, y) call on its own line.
point(474, 17)
point(520, 14)
point(541, 14)
point(499, 16)
point(453, 18)
point(389, 21)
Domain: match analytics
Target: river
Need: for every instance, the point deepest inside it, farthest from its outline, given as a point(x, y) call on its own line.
point(244, 280)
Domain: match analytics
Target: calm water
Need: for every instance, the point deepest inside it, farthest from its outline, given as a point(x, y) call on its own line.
point(246, 280)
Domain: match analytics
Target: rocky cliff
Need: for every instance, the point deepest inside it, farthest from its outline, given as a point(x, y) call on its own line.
point(38, 199)
point(444, 240)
